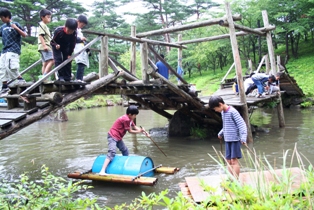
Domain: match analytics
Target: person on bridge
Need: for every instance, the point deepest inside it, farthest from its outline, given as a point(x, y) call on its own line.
point(44, 39)
point(63, 43)
point(82, 60)
point(11, 33)
point(234, 131)
point(117, 131)
point(259, 80)
point(162, 68)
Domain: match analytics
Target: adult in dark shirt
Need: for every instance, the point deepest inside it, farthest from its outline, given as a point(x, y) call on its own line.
point(63, 43)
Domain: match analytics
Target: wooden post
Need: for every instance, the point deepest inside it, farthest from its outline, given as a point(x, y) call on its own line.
point(278, 63)
point(144, 59)
point(180, 56)
point(267, 64)
point(103, 58)
point(250, 65)
point(238, 67)
point(269, 44)
point(133, 51)
point(273, 68)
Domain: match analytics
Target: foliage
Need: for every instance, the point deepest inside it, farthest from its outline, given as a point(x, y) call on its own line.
point(50, 192)
point(199, 132)
point(92, 102)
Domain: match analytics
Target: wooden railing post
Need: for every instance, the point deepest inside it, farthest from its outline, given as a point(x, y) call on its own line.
point(269, 43)
point(250, 66)
point(103, 58)
point(144, 59)
point(133, 52)
point(267, 64)
point(180, 57)
point(238, 67)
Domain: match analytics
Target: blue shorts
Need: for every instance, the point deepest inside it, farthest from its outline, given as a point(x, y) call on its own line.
point(233, 150)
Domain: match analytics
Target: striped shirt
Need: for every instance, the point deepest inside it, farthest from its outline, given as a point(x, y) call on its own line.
point(234, 127)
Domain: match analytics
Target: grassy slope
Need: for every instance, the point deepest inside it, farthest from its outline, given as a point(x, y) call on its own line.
point(302, 69)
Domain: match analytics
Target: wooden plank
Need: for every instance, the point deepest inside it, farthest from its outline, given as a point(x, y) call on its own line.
point(254, 179)
point(196, 189)
point(12, 116)
point(42, 105)
point(5, 123)
point(18, 110)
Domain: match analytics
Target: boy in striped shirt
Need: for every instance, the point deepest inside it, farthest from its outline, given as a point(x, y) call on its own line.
point(234, 131)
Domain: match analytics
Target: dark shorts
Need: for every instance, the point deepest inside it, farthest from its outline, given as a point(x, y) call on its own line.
point(233, 150)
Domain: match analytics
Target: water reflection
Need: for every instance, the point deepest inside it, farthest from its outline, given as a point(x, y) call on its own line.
point(73, 146)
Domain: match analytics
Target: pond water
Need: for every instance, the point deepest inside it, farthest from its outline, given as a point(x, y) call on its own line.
point(71, 146)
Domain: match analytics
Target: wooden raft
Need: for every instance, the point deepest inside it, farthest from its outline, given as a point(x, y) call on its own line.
point(148, 181)
point(193, 186)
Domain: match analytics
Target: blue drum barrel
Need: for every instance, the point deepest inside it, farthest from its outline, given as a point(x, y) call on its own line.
point(125, 165)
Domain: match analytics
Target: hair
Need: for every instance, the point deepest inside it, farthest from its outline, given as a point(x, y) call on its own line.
point(71, 23)
point(43, 13)
point(272, 78)
point(252, 74)
point(4, 12)
point(132, 110)
point(214, 101)
point(82, 19)
point(162, 55)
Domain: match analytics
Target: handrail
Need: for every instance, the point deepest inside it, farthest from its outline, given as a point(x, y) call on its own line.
point(26, 70)
point(223, 79)
point(30, 88)
point(260, 64)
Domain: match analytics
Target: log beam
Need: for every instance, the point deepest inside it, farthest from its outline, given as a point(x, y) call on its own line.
point(185, 27)
point(183, 94)
point(134, 39)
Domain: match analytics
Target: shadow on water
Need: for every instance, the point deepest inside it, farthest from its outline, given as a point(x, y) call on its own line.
point(73, 146)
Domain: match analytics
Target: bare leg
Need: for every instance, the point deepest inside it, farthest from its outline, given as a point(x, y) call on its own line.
point(103, 170)
point(43, 67)
point(234, 167)
point(49, 66)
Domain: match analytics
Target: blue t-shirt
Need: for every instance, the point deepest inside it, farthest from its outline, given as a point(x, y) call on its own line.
point(11, 39)
point(162, 69)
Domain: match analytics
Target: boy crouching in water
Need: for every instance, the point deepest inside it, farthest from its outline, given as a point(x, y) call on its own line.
point(117, 131)
point(234, 131)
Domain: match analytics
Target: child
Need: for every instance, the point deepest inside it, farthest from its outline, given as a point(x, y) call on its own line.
point(63, 43)
point(82, 59)
point(259, 79)
point(273, 84)
point(234, 131)
point(11, 33)
point(44, 39)
point(162, 68)
point(117, 131)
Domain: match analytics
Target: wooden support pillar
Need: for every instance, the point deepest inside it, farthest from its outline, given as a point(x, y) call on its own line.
point(103, 58)
point(278, 63)
point(12, 102)
point(269, 44)
point(180, 56)
point(31, 104)
point(133, 51)
point(250, 66)
point(281, 116)
point(267, 64)
point(238, 67)
point(144, 59)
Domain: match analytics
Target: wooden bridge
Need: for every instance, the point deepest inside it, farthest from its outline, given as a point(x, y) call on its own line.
point(31, 102)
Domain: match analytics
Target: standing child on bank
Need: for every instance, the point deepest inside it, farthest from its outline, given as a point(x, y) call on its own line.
point(234, 131)
point(63, 43)
point(117, 131)
point(44, 39)
point(82, 59)
point(11, 33)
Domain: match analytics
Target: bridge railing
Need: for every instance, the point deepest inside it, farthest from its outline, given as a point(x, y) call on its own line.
point(36, 84)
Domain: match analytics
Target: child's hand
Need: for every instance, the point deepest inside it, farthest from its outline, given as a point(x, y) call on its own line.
point(83, 39)
point(57, 47)
point(219, 137)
